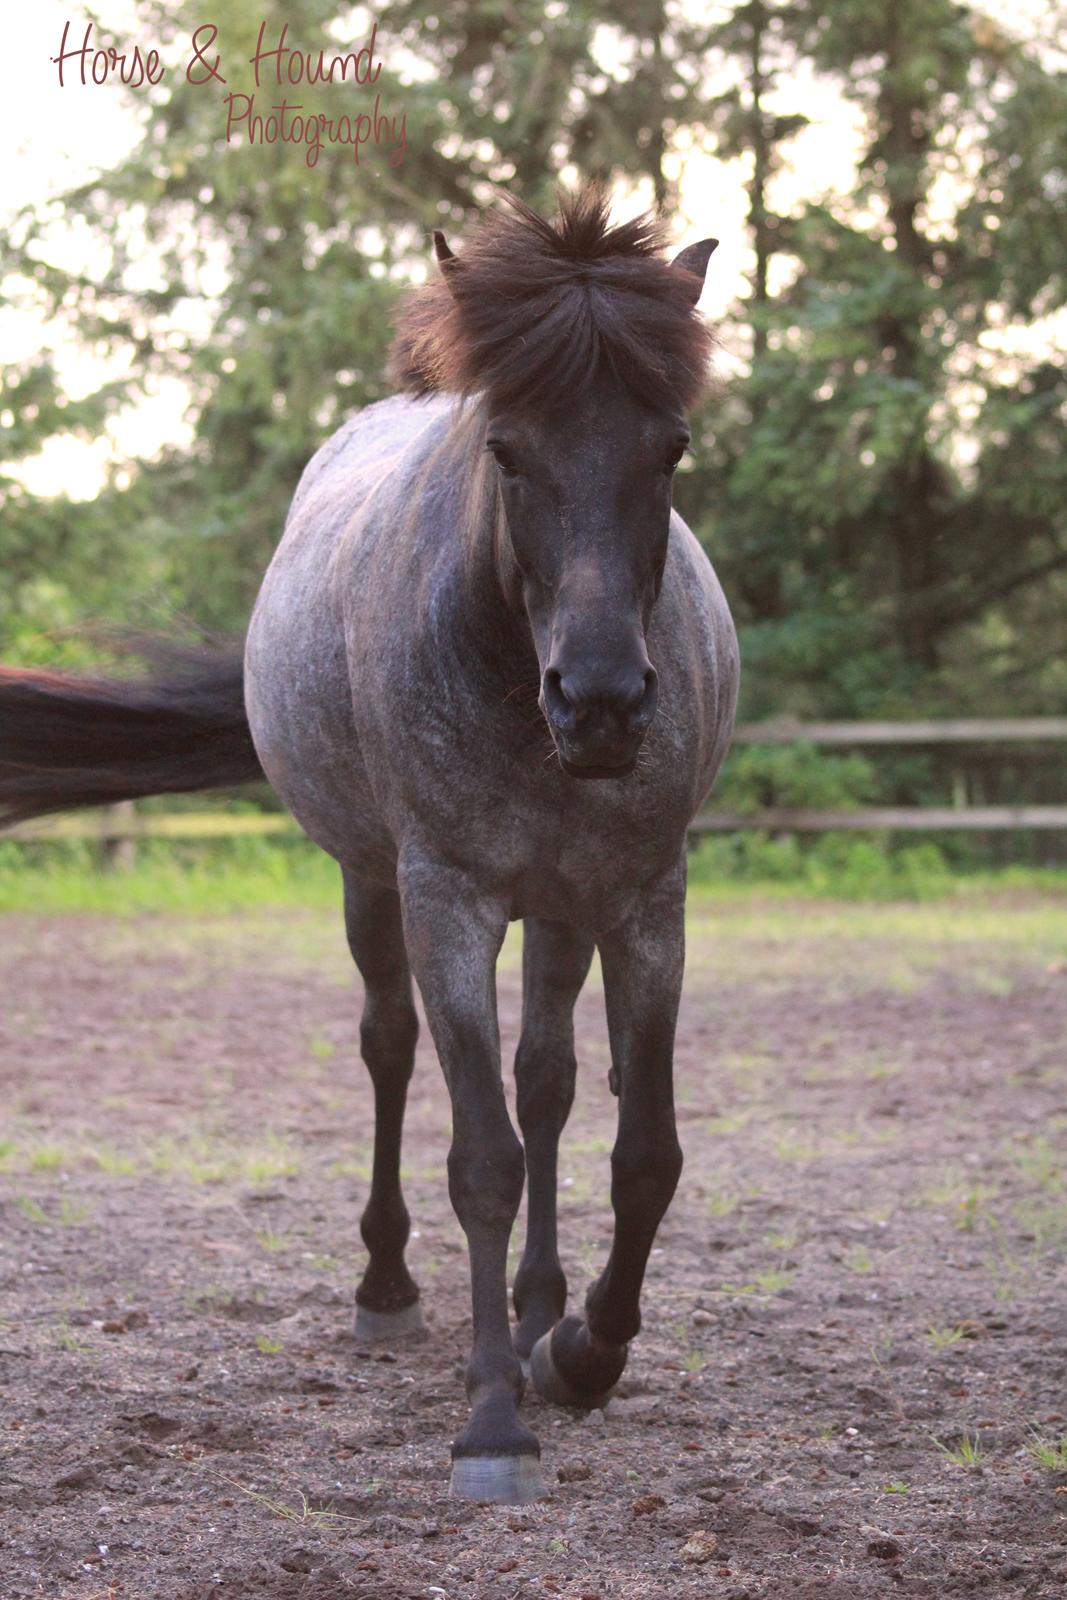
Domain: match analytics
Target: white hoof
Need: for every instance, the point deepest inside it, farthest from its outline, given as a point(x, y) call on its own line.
point(380, 1325)
point(551, 1385)
point(504, 1480)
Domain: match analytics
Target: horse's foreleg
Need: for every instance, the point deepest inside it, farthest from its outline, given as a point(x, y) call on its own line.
point(581, 1359)
point(454, 933)
point(555, 962)
point(387, 1299)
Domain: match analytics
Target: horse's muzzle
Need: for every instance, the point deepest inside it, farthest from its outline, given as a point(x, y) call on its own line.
point(599, 722)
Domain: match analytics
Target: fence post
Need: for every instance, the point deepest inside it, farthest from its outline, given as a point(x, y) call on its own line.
point(118, 852)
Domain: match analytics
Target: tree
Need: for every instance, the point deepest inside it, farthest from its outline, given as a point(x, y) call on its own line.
point(865, 512)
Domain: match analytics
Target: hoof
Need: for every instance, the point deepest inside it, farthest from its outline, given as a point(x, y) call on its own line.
point(504, 1480)
point(388, 1324)
point(552, 1385)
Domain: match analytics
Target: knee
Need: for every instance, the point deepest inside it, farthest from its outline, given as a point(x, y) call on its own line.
point(388, 1032)
point(485, 1179)
point(545, 1079)
point(646, 1174)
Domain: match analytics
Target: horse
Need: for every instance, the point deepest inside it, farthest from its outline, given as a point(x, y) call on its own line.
point(491, 671)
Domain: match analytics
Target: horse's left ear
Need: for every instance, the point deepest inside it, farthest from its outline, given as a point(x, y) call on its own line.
point(447, 259)
point(693, 260)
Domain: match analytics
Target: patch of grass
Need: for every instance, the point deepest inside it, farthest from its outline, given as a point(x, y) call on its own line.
point(895, 1486)
point(267, 1239)
point(723, 1202)
point(203, 1159)
point(958, 1194)
point(325, 1263)
point(1048, 1453)
point(772, 1280)
point(943, 1338)
point(966, 1452)
point(322, 1048)
point(728, 1122)
point(66, 1339)
point(350, 1169)
point(971, 1208)
point(1045, 1221)
point(878, 1071)
point(268, 1346)
point(67, 1214)
point(797, 1151)
point(785, 1240)
point(207, 1298)
point(114, 1163)
point(859, 1259)
point(51, 1157)
point(1039, 1163)
point(195, 879)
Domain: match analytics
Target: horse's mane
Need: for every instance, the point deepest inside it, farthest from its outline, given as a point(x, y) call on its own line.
point(532, 308)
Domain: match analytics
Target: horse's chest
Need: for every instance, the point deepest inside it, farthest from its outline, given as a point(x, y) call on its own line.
point(580, 856)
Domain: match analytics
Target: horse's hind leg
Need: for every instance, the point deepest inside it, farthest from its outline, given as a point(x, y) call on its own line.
point(555, 962)
point(387, 1299)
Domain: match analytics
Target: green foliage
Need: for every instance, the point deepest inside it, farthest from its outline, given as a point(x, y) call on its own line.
point(840, 865)
point(196, 879)
point(793, 775)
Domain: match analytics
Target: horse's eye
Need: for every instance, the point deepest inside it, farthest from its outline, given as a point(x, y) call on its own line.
point(503, 458)
point(674, 455)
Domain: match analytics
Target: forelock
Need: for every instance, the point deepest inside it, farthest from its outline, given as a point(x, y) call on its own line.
point(533, 309)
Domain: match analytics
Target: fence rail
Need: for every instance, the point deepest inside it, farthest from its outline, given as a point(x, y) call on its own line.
point(119, 823)
point(959, 730)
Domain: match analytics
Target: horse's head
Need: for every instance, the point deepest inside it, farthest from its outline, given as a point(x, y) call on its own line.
point(586, 347)
point(586, 496)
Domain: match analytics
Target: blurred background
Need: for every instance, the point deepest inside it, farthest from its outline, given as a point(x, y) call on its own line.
point(881, 480)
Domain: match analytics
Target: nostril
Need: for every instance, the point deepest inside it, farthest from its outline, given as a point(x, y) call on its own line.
point(561, 708)
point(645, 709)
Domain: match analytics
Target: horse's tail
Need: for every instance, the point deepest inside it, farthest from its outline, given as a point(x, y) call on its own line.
point(68, 741)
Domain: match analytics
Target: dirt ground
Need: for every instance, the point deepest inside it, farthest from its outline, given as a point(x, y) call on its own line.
point(855, 1342)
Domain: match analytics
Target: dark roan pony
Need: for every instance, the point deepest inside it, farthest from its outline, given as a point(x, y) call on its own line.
point(492, 673)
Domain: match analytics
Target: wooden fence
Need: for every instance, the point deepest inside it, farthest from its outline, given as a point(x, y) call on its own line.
point(115, 824)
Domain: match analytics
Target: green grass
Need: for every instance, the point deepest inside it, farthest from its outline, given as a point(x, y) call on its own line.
point(966, 1452)
point(943, 1338)
point(215, 877)
point(199, 1158)
point(193, 880)
point(1048, 1453)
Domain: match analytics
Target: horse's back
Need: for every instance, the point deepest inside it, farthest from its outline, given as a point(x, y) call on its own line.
point(359, 459)
point(297, 682)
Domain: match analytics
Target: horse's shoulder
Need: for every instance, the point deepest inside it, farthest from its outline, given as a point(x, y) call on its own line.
point(370, 443)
